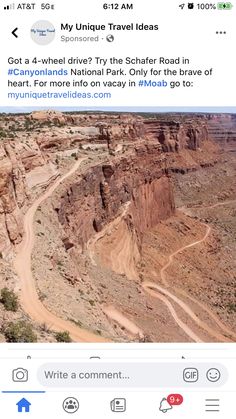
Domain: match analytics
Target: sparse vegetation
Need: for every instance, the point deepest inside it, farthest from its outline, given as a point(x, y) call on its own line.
point(45, 328)
point(20, 331)
point(77, 322)
point(9, 299)
point(42, 296)
point(3, 134)
point(28, 124)
point(63, 337)
point(144, 339)
point(231, 308)
point(75, 156)
point(12, 128)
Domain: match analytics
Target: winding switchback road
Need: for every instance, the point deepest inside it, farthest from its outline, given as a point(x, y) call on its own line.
point(151, 288)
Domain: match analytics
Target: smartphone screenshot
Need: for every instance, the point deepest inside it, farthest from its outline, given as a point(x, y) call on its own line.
point(117, 209)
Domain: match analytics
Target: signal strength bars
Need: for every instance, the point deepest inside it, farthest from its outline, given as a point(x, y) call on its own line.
point(9, 6)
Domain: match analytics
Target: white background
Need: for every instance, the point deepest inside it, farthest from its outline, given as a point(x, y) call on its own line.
point(142, 402)
point(189, 33)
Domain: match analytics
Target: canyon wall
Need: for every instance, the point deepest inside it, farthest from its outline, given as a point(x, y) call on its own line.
point(222, 128)
point(139, 178)
point(143, 152)
point(176, 135)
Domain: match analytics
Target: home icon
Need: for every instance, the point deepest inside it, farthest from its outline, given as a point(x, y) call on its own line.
point(23, 406)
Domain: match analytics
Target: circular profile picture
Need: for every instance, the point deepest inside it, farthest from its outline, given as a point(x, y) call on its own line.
point(42, 32)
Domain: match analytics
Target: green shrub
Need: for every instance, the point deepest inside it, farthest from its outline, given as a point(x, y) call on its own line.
point(63, 337)
point(231, 307)
point(9, 299)
point(3, 134)
point(20, 331)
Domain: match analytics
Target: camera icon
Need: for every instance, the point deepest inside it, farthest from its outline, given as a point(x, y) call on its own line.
point(20, 375)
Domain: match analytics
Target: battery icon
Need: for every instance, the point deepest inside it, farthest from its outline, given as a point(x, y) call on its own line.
point(224, 6)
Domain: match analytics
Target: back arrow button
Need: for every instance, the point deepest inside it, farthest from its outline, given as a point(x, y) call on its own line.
point(14, 32)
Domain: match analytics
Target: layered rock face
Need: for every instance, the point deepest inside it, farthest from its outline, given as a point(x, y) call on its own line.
point(222, 128)
point(123, 130)
point(151, 203)
point(175, 135)
point(96, 199)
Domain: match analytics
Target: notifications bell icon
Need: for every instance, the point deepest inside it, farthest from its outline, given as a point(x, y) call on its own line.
point(164, 405)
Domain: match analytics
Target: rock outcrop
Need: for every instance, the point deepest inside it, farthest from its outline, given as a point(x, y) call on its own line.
point(175, 136)
point(51, 116)
point(12, 197)
point(18, 163)
point(121, 132)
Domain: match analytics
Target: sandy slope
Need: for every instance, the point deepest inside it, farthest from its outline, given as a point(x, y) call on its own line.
point(22, 263)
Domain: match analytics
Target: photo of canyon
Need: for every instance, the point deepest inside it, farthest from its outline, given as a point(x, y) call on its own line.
point(117, 227)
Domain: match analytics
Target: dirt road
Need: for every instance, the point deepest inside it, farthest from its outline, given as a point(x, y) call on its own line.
point(22, 263)
point(151, 286)
point(105, 231)
point(162, 293)
point(118, 317)
point(170, 259)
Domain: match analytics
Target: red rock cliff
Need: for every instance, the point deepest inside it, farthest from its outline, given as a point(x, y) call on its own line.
point(139, 178)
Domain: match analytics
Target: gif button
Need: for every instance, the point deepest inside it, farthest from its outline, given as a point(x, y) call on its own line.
point(190, 375)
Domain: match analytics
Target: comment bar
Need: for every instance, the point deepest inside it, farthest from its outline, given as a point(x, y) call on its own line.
point(132, 374)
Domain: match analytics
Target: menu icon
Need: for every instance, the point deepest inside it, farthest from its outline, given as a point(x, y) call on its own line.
point(212, 405)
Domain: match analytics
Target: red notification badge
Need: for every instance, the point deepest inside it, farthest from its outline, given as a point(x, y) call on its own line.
point(175, 399)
